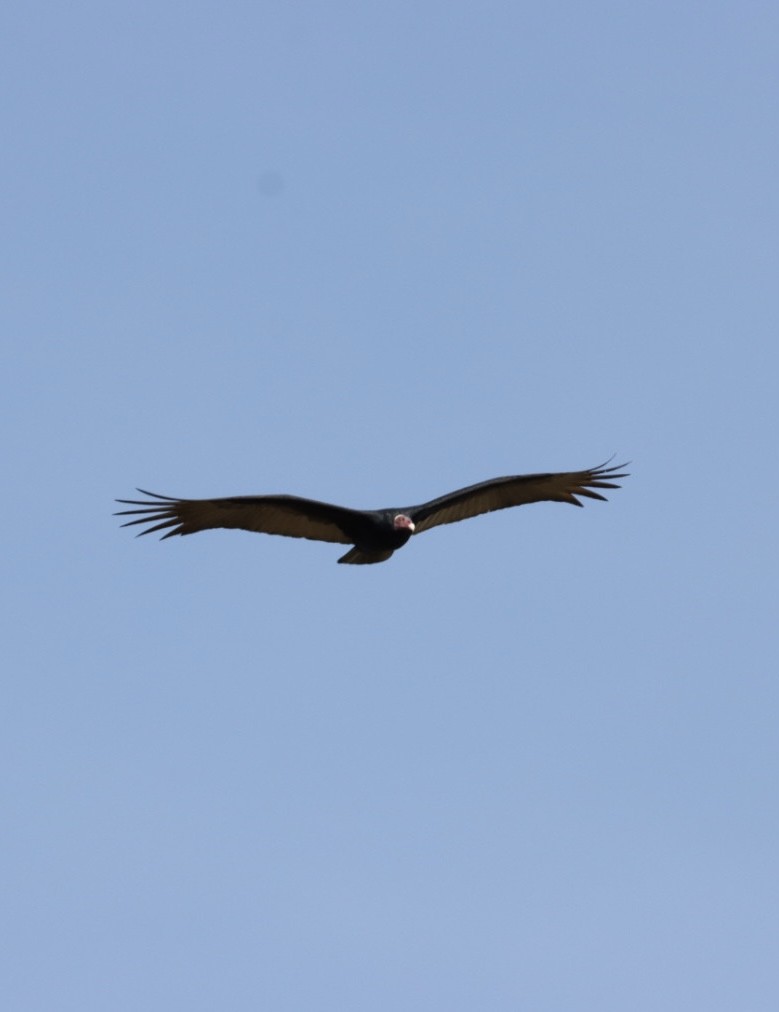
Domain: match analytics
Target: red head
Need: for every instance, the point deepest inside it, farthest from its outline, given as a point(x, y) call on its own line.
point(403, 523)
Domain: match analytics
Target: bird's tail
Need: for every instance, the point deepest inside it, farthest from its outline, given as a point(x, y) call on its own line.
point(358, 557)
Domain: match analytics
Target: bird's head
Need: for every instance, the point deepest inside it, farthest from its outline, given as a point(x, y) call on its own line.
point(403, 523)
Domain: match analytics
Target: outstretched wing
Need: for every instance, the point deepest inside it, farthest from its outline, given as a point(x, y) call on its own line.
point(267, 514)
point(500, 493)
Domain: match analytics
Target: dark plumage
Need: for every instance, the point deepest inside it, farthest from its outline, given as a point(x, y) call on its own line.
point(375, 534)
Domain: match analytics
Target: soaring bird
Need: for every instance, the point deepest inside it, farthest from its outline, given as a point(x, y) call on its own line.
point(374, 534)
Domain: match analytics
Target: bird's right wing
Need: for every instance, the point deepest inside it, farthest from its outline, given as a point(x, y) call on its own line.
point(515, 490)
point(268, 514)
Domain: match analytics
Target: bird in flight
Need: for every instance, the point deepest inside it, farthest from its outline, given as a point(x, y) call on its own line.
point(374, 534)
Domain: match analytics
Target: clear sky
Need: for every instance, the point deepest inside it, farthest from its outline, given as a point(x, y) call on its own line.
point(370, 253)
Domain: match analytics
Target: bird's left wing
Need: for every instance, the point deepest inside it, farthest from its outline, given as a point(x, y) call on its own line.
point(516, 490)
point(268, 514)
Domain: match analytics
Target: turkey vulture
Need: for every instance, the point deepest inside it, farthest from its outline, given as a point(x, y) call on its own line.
point(375, 534)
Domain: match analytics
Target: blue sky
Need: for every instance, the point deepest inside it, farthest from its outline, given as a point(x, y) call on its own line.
point(370, 253)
